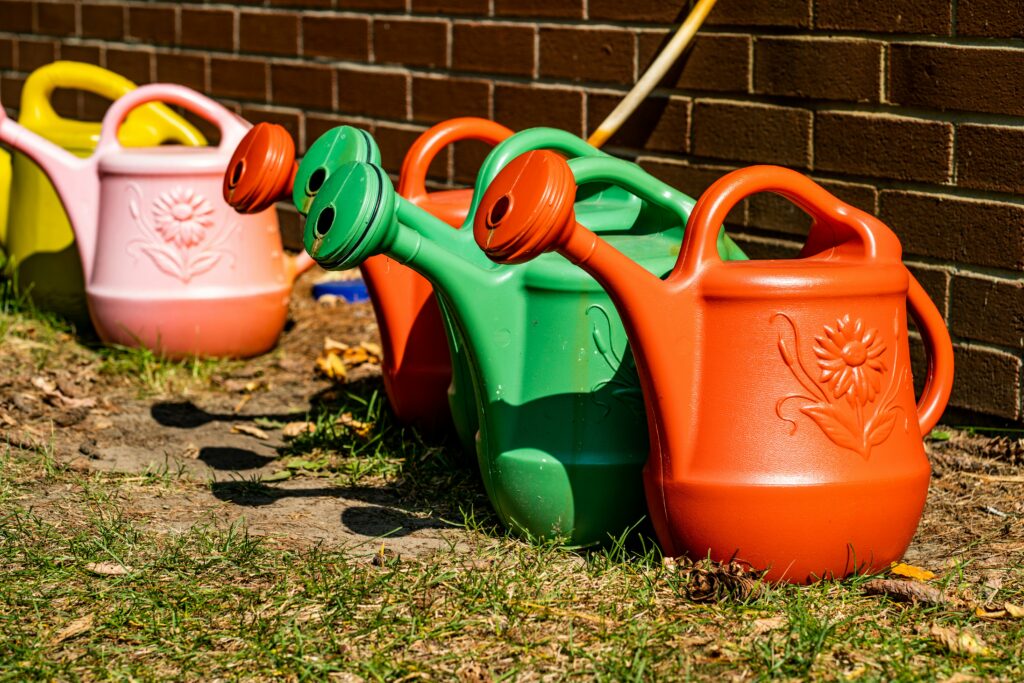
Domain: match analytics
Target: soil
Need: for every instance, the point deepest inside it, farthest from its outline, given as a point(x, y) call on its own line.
point(189, 434)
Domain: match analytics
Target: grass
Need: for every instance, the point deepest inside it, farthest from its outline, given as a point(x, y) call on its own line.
point(213, 602)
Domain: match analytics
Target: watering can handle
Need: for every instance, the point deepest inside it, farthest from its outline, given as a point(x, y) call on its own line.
point(837, 227)
point(232, 128)
point(430, 143)
point(37, 110)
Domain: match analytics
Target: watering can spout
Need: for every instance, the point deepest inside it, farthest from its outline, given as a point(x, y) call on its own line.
point(75, 179)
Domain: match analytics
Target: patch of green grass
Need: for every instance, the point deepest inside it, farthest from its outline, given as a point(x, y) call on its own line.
point(153, 373)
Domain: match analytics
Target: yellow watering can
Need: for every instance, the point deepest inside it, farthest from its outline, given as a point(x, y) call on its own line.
point(34, 230)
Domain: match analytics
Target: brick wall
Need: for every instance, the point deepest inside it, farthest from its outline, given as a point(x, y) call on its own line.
point(910, 109)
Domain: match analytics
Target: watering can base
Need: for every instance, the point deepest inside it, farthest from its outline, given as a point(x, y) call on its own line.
point(583, 504)
point(859, 527)
point(414, 393)
point(219, 328)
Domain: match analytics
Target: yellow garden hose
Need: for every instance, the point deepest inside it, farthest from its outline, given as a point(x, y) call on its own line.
point(654, 73)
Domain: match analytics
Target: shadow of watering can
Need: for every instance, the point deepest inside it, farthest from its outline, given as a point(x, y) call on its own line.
point(167, 264)
point(784, 431)
point(416, 365)
point(37, 237)
point(560, 438)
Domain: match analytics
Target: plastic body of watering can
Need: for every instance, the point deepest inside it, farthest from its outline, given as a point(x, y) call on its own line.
point(416, 365)
point(37, 235)
point(560, 435)
point(784, 431)
point(167, 264)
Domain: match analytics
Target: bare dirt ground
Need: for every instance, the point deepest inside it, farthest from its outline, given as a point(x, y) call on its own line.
point(196, 433)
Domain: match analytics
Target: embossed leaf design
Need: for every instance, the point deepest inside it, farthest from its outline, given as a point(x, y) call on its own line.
point(203, 262)
point(832, 423)
point(163, 260)
point(880, 426)
point(133, 209)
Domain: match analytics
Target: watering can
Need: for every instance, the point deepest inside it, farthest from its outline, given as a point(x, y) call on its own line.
point(167, 264)
point(37, 236)
point(780, 403)
point(560, 438)
point(416, 365)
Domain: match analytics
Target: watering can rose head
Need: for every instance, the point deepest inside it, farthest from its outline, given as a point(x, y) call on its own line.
point(541, 188)
point(352, 216)
point(262, 169)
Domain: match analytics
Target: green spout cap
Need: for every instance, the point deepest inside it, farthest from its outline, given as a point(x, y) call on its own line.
point(329, 153)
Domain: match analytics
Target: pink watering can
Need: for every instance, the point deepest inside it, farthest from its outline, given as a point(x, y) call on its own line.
point(168, 264)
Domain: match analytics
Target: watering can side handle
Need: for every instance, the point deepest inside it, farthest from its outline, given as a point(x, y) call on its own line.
point(429, 144)
point(232, 127)
point(299, 264)
point(36, 106)
point(938, 383)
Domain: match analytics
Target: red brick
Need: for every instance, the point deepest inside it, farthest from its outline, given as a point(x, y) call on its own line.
point(477, 7)
point(185, 69)
point(336, 37)
point(659, 123)
point(992, 18)
point(302, 85)
point(563, 9)
point(493, 48)
point(56, 19)
point(10, 90)
point(17, 16)
point(90, 54)
point(468, 156)
point(752, 132)
point(208, 28)
point(375, 5)
point(987, 381)
point(780, 13)
point(818, 68)
point(103, 21)
point(990, 157)
point(238, 78)
point(525, 106)
point(374, 93)
point(646, 11)
point(274, 33)
point(411, 42)
point(973, 231)
point(152, 24)
point(977, 79)
point(291, 223)
point(692, 180)
point(713, 62)
point(935, 282)
point(302, 4)
point(886, 16)
point(6, 53)
point(604, 55)
point(136, 65)
point(394, 142)
point(988, 310)
point(33, 54)
point(436, 99)
point(882, 145)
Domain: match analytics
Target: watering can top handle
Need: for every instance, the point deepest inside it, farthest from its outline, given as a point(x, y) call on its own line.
point(232, 128)
point(430, 143)
point(37, 109)
point(851, 227)
point(836, 224)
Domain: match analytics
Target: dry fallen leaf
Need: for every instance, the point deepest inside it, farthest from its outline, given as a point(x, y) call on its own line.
point(108, 568)
point(473, 672)
point(906, 591)
point(376, 353)
point(332, 365)
point(358, 426)
point(295, 429)
point(191, 451)
point(959, 642)
point(911, 572)
point(102, 423)
point(1013, 610)
point(75, 628)
point(249, 430)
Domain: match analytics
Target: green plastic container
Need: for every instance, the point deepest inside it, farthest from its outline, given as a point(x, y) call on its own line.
point(542, 370)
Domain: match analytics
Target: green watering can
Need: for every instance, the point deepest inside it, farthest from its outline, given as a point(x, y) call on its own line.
point(539, 349)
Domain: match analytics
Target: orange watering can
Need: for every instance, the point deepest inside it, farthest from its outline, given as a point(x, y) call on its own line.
point(416, 365)
point(784, 431)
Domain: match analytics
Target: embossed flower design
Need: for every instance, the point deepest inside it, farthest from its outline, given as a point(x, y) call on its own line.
point(849, 357)
point(182, 216)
